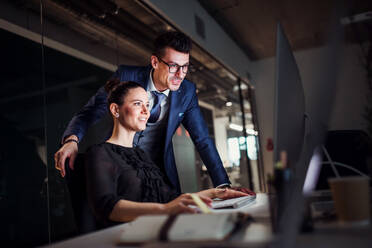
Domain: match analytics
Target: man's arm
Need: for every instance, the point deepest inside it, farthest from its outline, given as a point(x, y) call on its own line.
point(194, 123)
point(92, 112)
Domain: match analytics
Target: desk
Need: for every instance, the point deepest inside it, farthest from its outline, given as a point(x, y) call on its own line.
point(256, 233)
point(335, 236)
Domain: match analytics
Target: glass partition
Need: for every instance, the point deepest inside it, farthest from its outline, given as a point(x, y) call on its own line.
point(222, 110)
point(23, 152)
point(244, 149)
point(70, 82)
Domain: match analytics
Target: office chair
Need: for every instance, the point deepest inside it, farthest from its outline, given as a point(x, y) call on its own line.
point(350, 147)
point(84, 218)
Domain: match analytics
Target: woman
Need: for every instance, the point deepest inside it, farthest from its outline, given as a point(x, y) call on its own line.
point(122, 182)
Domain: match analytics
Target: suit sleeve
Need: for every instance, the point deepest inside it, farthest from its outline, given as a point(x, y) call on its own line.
point(92, 112)
point(194, 123)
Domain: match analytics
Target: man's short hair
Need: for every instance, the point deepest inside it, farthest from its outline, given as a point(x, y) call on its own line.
point(173, 39)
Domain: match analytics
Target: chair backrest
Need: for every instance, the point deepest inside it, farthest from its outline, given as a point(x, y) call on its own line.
point(76, 182)
point(350, 147)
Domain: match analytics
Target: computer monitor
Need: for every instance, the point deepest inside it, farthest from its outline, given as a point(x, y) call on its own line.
point(289, 126)
point(289, 105)
point(299, 129)
point(296, 132)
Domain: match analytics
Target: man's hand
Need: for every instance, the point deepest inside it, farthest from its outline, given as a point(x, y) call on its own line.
point(244, 190)
point(224, 193)
point(68, 150)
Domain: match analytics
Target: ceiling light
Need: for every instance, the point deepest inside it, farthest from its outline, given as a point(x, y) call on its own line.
point(243, 85)
point(239, 128)
point(236, 127)
point(356, 18)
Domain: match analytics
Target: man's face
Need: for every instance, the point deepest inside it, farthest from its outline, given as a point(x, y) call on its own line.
point(162, 77)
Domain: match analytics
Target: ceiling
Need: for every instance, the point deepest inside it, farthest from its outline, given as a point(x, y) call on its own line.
point(130, 26)
point(252, 23)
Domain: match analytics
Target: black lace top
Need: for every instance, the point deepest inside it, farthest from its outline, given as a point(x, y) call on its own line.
point(115, 172)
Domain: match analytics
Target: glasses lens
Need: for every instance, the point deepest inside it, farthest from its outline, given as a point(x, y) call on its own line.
point(185, 68)
point(173, 68)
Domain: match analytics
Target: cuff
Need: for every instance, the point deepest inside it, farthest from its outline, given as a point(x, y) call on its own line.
point(224, 185)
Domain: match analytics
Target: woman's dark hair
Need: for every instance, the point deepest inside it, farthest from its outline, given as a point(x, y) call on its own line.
point(116, 90)
point(176, 40)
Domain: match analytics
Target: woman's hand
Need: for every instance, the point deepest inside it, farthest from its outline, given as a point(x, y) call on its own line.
point(180, 204)
point(224, 193)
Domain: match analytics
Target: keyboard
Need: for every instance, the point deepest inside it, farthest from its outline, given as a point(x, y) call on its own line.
point(234, 202)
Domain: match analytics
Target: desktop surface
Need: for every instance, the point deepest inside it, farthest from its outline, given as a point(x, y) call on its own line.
point(332, 234)
point(258, 234)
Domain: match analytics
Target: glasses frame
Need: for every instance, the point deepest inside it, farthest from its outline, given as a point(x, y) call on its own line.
point(184, 71)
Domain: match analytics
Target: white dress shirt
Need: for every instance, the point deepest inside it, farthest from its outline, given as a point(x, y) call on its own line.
point(164, 104)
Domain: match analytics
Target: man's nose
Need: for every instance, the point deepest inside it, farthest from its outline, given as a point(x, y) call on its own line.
point(179, 72)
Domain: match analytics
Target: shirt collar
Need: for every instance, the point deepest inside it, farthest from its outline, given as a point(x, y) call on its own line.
point(151, 86)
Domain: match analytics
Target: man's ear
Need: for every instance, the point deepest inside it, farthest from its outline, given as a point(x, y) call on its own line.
point(154, 61)
point(114, 109)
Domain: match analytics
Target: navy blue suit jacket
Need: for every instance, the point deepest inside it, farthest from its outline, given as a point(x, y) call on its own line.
point(184, 108)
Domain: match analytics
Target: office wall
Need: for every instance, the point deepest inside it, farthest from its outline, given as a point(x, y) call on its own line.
point(349, 99)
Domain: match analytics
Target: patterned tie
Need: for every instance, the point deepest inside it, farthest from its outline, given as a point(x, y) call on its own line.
point(155, 111)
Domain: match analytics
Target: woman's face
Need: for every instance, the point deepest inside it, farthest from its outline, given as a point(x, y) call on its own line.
point(134, 112)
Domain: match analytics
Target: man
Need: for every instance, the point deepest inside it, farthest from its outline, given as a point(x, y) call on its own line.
point(173, 101)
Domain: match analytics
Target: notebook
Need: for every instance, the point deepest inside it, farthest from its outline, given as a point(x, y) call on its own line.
point(234, 202)
point(183, 227)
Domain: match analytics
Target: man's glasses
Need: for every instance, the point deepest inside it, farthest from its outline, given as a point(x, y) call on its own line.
point(173, 68)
